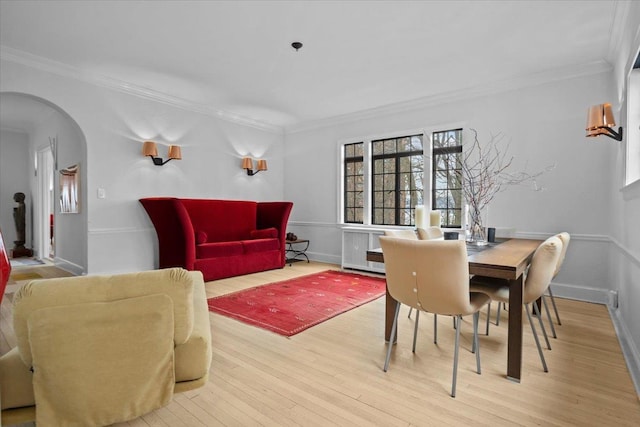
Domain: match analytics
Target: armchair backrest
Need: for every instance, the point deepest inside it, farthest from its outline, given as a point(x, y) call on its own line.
point(542, 268)
point(430, 275)
point(176, 283)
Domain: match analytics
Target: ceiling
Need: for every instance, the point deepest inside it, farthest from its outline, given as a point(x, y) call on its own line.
point(235, 57)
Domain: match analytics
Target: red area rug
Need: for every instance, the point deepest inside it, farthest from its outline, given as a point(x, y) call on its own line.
point(293, 305)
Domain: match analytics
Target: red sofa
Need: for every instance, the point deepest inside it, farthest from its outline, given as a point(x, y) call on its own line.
point(220, 238)
point(5, 267)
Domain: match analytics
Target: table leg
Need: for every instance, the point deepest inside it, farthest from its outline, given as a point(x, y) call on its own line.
point(514, 346)
point(389, 314)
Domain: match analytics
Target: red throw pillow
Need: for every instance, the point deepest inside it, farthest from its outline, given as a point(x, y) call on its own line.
point(201, 237)
point(265, 233)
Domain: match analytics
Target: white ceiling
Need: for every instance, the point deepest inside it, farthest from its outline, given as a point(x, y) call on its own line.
point(235, 57)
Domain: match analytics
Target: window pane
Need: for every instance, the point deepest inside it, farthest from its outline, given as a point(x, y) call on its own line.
point(440, 180)
point(405, 164)
point(389, 199)
point(351, 183)
point(389, 165)
point(359, 149)
point(378, 216)
point(359, 183)
point(389, 146)
point(389, 182)
point(378, 166)
point(404, 144)
point(348, 150)
point(377, 147)
point(389, 216)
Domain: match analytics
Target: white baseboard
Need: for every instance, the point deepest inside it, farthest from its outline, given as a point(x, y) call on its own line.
point(631, 355)
point(582, 293)
point(69, 266)
point(327, 258)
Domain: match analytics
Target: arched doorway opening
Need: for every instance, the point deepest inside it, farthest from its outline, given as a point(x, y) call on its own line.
point(39, 141)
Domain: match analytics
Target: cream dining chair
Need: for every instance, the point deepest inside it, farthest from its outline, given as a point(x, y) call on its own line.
point(432, 276)
point(565, 238)
point(541, 270)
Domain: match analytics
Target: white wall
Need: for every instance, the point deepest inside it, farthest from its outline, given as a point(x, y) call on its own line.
point(625, 210)
point(114, 124)
point(14, 178)
point(545, 124)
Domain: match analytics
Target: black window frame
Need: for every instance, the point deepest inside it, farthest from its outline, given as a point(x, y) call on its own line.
point(346, 206)
point(451, 173)
point(397, 157)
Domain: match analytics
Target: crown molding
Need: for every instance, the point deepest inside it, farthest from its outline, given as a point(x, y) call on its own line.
point(536, 79)
point(65, 70)
point(48, 65)
point(621, 11)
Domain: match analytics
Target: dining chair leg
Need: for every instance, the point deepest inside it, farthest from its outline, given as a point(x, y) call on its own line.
point(410, 309)
point(544, 331)
point(476, 343)
point(415, 330)
point(392, 337)
point(455, 360)
point(546, 309)
point(553, 303)
point(435, 328)
point(498, 314)
point(489, 317)
point(535, 337)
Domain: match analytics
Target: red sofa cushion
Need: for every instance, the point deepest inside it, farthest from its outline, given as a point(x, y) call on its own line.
point(222, 220)
point(219, 249)
point(265, 233)
point(260, 245)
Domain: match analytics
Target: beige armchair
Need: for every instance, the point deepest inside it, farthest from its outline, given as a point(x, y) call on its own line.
point(96, 350)
point(432, 276)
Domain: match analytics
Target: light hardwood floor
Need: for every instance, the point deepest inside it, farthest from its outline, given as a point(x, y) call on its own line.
point(331, 374)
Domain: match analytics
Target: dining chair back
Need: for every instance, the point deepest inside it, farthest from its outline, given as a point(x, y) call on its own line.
point(431, 276)
point(402, 234)
point(541, 269)
point(430, 233)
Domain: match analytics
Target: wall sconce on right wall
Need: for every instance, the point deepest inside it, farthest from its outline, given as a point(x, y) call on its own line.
point(600, 121)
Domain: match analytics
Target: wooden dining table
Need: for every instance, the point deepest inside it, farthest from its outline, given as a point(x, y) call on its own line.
point(505, 260)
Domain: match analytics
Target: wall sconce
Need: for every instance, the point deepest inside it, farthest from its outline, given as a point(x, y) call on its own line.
point(247, 164)
point(149, 148)
point(600, 122)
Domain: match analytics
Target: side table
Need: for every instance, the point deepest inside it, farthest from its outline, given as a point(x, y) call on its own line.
point(295, 249)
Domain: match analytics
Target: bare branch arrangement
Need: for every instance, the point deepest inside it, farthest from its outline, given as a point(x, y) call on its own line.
point(484, 174)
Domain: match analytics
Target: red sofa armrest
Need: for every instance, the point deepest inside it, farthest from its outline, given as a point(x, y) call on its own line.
point(176, 238)
point(5, 267)
point(275, 214)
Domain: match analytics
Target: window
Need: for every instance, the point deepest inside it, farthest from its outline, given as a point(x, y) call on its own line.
point(632, 131)
point(383, 179)
point(354, 182)
point(446, 187)
point(397, 185)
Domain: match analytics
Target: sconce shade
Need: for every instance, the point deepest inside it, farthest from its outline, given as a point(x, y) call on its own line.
point(247, 163)
point(175, 153)
point(149, 148)
point(600, 121)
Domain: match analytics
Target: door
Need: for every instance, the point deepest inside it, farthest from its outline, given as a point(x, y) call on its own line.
point(45, 218)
